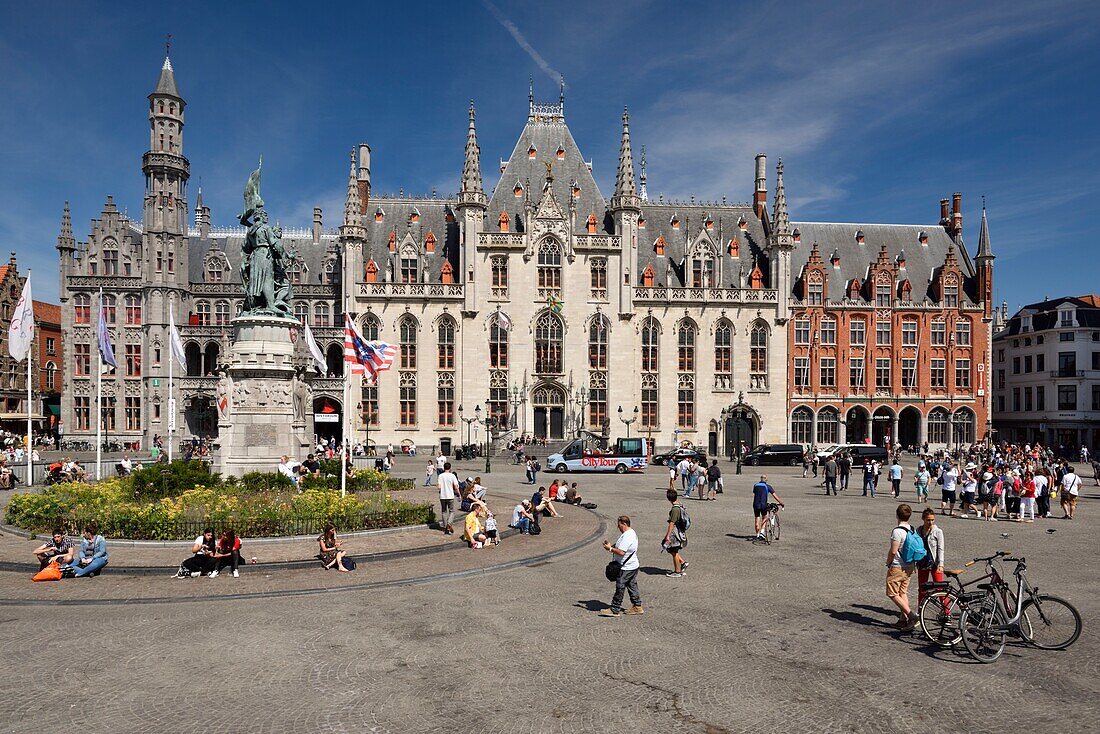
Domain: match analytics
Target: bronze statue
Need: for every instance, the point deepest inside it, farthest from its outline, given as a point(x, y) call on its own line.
point(267, 290)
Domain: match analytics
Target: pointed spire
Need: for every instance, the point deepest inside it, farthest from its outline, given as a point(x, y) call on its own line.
point(166, 84)
point(65, 240)
point(624, 180)
point(984, 249)
point(471, 190)
point(780, 218)
point(642, 189)
point(353, 203)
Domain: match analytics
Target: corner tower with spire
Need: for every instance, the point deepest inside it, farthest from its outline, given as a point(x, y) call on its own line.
point(626, 207)
point(470, 210)
point(984, 265)
point(780, 242)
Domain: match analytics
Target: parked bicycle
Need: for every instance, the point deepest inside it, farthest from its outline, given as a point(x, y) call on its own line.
point(941, 609)
point(1048, 622)
point(771, 526)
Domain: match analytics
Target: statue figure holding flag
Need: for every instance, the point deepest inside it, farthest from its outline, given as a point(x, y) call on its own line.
point(267, 290)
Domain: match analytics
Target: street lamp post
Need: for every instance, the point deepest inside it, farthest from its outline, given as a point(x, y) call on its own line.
point(580, 401)
point(469, 421)
point(735, 414)
point(627, 422)
point(516, 398)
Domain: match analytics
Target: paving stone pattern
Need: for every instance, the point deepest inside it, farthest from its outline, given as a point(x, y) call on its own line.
point(790, 637)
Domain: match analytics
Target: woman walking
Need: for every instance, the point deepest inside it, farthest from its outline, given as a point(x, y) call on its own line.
point(933, 541)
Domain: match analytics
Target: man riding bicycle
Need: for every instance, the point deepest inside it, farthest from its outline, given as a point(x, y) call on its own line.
point(761, 491)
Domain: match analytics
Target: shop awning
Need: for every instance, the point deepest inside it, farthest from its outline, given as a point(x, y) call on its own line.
point(54, 410)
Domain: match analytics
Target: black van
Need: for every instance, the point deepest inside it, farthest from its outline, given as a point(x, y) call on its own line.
point(866, 451)
point(775, 454)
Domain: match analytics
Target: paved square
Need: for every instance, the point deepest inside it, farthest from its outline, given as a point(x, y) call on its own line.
point(791, 637)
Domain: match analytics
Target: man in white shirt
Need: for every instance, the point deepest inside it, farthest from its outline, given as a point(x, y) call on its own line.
point(683, 468)
point(948, 479)
point(1071, 488)
point(288, 469)
point(448, 489)
point(440, 464)
point(625, 550)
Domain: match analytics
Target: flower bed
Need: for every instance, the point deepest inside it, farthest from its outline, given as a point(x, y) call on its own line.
point(175, 503)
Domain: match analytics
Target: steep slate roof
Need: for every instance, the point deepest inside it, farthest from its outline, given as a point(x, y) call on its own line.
point(658, 223)
point(166, 84)
point(922, 262)
point(546, 135)
point(433, 218)
point(312, 255)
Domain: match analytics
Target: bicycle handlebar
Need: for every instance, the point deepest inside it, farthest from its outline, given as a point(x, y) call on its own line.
point(995, 556)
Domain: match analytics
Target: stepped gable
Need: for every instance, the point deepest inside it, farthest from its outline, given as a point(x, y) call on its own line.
point(922, 262)
point(751, 241)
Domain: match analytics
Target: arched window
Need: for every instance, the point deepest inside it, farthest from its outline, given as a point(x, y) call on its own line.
point(598, 272)
point(549, 268)
point(221, 313)
point(685, 342)
point(802, 425)
point(51, 376)
point(597, 400)
point(210, 357)
point(202, 312)
point(549, 335)
point(704, 272)
point(828, 330)
point(498, 345)
point(498, 400)
point(446, 343)
point(215, 269)
point(685, 401)
point(110, 309)
point(82, 308)
point(723, 355)
point(370, 328)
point(651, 344)
point(294, 271)
point(499, 276)
point(110, 259)
point(409, 266)
point(407, 398)
point(193, 354)
point(321, 314)
point(758, 356)
point(597, 343)
point(937, 426)
point(133, 309)
point(301, 312)
point(828, 426)
point(651, 347)
point(334, 359)
point(963, 423)
point(407, 331)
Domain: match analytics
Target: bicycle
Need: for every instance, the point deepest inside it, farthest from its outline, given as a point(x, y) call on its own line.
point(770, 532)
point(941, 609)
point(985, 623)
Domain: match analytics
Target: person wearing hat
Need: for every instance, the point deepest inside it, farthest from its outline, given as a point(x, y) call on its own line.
point(985, 494)
point(969, 481)
point(522, 517)
point(921, 481)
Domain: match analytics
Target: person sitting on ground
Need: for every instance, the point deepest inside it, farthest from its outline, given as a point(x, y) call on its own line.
point(540, 502)
point(473, 496)
point(571, 495)
point(332, 555)
point(58, 548)
point(491, 527)
point(227, 553)
point(7, 477)
point(555, 490)
point(312, 466)
point(93, 554)
point(202, 558)
point(473, 534)
point(522, 517)
point(288, 469)
point(125, 466)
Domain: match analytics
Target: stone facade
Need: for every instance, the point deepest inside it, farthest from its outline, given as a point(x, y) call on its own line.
point(540, 301)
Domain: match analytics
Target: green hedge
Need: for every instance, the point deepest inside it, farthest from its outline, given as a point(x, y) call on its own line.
point(175, 502)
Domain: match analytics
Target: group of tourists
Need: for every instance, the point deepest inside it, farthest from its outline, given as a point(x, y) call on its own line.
point(697, 476)
point(69, 559)
point(209, 555)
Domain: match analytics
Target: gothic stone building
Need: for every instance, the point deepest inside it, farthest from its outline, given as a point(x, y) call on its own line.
point(540, 301)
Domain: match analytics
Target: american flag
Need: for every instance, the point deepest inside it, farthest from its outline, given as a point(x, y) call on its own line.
point(366, 357)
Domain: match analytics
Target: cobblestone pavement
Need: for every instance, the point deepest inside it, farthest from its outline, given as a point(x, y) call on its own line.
point(790, 637)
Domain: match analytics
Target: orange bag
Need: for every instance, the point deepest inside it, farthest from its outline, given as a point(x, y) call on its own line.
point(51, 572)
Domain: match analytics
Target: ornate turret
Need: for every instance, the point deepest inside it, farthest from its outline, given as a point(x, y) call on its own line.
point(626, 194)
point(780, 243)
point(166, 172)
point(781, 220)
point(641, 178)
point(984, 265)
point(471, 192)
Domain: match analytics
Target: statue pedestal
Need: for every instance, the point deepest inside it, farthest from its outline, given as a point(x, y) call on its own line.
point(260, 424)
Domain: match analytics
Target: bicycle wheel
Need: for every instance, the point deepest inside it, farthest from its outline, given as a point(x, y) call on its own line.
point(939, 617)
point(981, 636)
point(1055, 623)
point(773, 528)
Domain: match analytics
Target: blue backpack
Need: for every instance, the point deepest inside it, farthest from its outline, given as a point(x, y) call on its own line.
point(913, 550)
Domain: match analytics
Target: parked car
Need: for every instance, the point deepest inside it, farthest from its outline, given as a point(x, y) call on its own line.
point(855, 451)
point(775, 454)
point(675, 457)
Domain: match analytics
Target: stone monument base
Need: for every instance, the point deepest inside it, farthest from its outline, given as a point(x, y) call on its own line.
point(259, 424)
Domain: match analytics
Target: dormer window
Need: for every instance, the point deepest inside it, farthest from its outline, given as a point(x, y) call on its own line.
point(859, 237)
point(531, 152)
point(576, 191)
point(923, 239)
point(835, 259)
point(659, 245)
point(901, 259)
point(518, 190)
point(641, 223)
point(883, 297)
point(1025, 323)
point(379, 214)
point(709, 223)
point(591, 225)
point(735, 248)
point(450, 216)
point(561, 153)
point(853, 289)
point(742, 224)
point(647, 276)
point(675, 222)
point(797, 234)
point(429, 242)
point(502, 222)
point(906, 291)
point(1065, 319)
point(414, 216)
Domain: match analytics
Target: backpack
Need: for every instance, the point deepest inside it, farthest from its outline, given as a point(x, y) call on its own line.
point(912, 550)
point(685, 519)
point(534, 529)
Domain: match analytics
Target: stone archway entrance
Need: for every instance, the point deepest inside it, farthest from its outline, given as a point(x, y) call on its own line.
point(882, 427)
point(548, 402)
point(741, 427)
point(909, 427)
point(328, 419)
point(855, 425)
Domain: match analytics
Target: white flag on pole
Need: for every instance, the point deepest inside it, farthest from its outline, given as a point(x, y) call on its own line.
point(174, 341)
point(21, 331)
point(318, 355)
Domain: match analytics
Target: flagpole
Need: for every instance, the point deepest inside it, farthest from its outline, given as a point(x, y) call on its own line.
point(30, 357)
point(99, 404)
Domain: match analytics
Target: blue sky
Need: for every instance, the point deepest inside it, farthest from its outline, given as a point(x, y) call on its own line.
point(878, 109)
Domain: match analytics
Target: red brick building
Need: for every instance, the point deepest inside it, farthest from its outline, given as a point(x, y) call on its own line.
point(889, 336)
point(47, 318)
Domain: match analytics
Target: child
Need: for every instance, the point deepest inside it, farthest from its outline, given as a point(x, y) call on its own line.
point(429, 473)
point(491, 529)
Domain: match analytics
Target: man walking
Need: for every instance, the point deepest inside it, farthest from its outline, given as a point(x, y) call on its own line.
point(440, 464)
point(845, 466)
point(676, 535)
point(626, 550)
point(683, 468)
point(761, 493)
point(1071, 489)
point(831, 470)
point(448, 488)
point(714, 476)
point(868, 477)
point(895, 476)
point(898, 573)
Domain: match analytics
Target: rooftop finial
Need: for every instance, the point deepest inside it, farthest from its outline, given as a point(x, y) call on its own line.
point(531, 89)
point(643, 193)
point(561, 96)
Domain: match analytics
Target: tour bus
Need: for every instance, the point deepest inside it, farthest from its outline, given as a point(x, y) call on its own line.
point(628, 454)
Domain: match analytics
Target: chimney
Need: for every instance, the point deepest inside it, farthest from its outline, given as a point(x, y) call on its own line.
point(835, 258)
point(943, 212)
point(317, 221)
point(956, 214)
point(364, 177)
point(760, 197)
